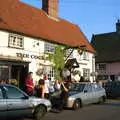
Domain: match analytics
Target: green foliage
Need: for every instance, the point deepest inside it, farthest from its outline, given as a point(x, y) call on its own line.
point(58, 61)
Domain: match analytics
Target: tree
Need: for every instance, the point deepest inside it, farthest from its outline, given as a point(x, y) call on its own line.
point(58, 61)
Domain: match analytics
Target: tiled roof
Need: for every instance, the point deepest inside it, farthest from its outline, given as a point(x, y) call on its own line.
point(22, 18)
point(107, 47)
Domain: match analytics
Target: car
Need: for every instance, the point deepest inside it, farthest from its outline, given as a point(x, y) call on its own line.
point(112, 89)
point(85, 93)
point(16, 103)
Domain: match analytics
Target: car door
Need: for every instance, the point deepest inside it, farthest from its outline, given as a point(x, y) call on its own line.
point(95, 93)
point(17, 103)
point(87, 94)
point(3, 105)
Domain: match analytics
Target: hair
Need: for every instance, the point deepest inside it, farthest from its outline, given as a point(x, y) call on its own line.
point(41, 82)
point(30, 73)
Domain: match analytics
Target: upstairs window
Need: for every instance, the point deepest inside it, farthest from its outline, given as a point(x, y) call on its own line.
point(101, 67)
point(15, 41)
point(49, 48)
point(85, 55)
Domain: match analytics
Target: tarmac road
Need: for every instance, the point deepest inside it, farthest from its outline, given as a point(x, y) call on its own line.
point(107, 111)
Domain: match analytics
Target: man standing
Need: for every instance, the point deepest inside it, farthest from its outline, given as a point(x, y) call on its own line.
point(29, 87)
point(47, 86)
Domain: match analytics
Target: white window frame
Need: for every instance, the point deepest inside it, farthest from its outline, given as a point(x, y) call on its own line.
point(86, 73)
point(49, 48)
point(85, 55)
point(15, 41)
point(51, 74)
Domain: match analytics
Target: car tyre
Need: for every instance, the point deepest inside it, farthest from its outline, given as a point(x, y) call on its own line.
point(40, 112)
point(77, 104)
point(102, 100)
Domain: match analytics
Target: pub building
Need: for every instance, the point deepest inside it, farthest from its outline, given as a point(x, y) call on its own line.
point(28, 33)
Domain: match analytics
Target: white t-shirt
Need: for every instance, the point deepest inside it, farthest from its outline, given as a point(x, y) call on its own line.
point(47, 85)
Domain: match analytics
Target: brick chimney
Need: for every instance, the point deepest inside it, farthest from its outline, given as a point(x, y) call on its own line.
point(50, 7)
point(118, 26)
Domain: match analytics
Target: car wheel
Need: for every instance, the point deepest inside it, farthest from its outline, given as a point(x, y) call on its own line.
point(77, 104)
point(40, 112)
point(101, 99)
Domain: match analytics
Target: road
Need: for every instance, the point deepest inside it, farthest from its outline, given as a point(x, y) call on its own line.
point(107, 111)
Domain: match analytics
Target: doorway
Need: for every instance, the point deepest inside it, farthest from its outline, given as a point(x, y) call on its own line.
point(18, 74)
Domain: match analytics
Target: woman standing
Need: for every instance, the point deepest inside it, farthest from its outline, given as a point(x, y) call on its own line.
point(41, 89)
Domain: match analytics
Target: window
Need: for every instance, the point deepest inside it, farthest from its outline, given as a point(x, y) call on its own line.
point(49, 48)
point(101, 67)
point(51, 74)
point(86, 73)
point(4, 73)
point(15, 40)
point(13, 93)
point(85, 55)
point(89, 88)
point(102, 77)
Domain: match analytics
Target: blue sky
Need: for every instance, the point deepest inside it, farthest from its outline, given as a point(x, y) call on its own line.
point(92, 16)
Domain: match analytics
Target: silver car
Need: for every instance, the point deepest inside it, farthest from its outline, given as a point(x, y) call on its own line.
point(85, 93)
point(15, 103)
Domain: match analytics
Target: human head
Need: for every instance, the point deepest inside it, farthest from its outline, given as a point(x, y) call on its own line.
point(56, 81)
point(30, 74)
point(41, 82)
point(45, 77)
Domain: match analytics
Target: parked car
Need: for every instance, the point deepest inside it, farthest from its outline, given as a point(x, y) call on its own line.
point(113, 89)
point(85, 93)
point(16, 103)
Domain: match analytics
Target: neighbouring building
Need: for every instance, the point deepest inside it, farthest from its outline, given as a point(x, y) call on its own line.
point(28, 33)
point(107, 54)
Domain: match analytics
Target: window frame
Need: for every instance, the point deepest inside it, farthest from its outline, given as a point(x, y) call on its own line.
point(17, 42)
point(18, 91)
point(49, 48)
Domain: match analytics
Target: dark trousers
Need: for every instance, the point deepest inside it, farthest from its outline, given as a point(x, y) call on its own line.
point(47, 95)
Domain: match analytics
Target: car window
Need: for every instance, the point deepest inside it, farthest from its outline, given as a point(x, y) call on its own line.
point(1, 95)
point(96, 87)
point(86, 87)
point(77, 87)
point(13, 93)
point(89, 88)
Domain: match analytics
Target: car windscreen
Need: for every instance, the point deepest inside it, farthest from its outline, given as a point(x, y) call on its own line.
point(77, 87)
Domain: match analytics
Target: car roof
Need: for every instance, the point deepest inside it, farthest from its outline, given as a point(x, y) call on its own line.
point(84, 83)
point(6, 85)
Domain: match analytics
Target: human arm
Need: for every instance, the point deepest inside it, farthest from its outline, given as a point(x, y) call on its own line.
point(43, 92)
point(64, 87)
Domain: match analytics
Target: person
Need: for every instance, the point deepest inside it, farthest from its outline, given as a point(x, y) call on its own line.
point(64, 93)
point(82, 79)
point(58, 101)
point(56, 85)
point(29, 87)
point(41, 89)
point(47, 86)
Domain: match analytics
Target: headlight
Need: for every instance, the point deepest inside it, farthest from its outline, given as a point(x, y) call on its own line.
point(71, 99)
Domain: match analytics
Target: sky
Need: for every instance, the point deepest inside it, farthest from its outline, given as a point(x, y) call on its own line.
point(92, 16)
